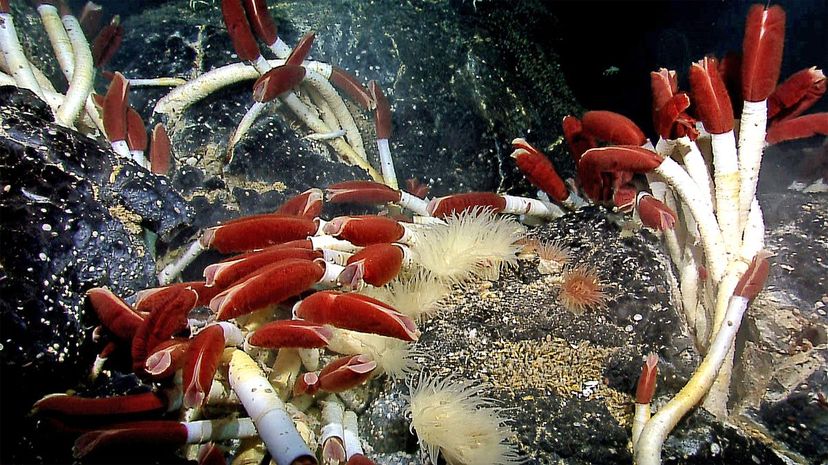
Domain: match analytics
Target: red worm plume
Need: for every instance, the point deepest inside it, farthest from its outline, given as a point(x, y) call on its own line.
point(442, 207)
point(376, 264)
point(132, 436)
point(90, 19)
point(710, 96)
point(762, 51)
point(577, 140)
point(64, 404)
point(754, 278)
point(539, 171)
point(107, 42)
point(115, 314)
point(301, 51)
point(669, 107)
point(361, 192)
point(136, 131)
point(647, 381)
point(359, 459)
point(612, 127)
point(256, 232)
point(357, 313)
point(4, 6)
point(348, 84)
point(228, 273)
point(200, 364)
point(308, 384)
point(160, 150)
point(261, 21)
point(629, 159)
point(277, 82)
point(345, 373)
point(798, 128)
point(211, 454)
point(654, 214)
point(271, 285)
point(365, 230)
point(148, 300)
point(115, 108)
point(162, 323)
point(239, 30)
point(308, 204)
point(291, 333)
point(166, 358)
point(798, 93)
point(382, 112)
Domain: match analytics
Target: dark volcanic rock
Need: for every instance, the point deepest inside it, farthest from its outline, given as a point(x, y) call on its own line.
point(71, 220)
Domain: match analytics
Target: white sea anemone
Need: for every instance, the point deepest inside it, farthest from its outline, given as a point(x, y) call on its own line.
point(451, 417)
point(475, 243)
point(416, 296)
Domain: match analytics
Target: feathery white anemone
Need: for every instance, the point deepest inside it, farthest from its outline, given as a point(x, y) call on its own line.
point(451, 417)
point(475, 243)
point(416, 296)
point(393, 356)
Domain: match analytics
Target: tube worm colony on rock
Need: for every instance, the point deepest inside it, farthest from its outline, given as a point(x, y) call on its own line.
point(294, 256)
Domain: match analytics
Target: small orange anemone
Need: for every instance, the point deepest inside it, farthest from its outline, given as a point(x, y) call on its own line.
point(581, 289)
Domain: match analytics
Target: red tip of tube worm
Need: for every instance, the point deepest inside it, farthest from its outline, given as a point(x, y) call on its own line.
point(442, 207)
point(630, 158)
point(115, 314)
point(357, 313)
point(361, 192)
point(210, 454)
point(645, 389)
point(754, 278)
point(107, 42)
point(382, 112)
point(612, 127)
point(416, 188)
point(115, 108)
point(131, 435)
point(166, 358)
point(229, 273)
point(160, 150)
point(376, 264)
point(654, 214)
point(84, 406)
point(308, 204)
point(798, 93)
point(277, 82)
point(710, 96)
point(200, 364)
point(669, 107)
point(239, 30)
point(359, 459)
point(798, 128)
point(365, 230)
point(4, 6)
point(261, 21)
point(762, 51)
point(136, 131)
point(291, 333)
point(90, 19)
point(301, 51)
point(162, 323)
point(345, 373)
point(256, 232)
point(623, 197)
point(271, 285)
point(348, 84)
point(308, 384)
point(147, 300)
point(539, 171)
point(577, 140)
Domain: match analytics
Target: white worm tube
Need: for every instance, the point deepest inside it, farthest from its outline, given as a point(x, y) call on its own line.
point(219, 430)
point(333, 431)
point(351, 434)
point(752, 131)
point(711, 235)
point(267, 411)
point(83, 73)
point(696, 166)
point(389, 174)
point(321, 84)
point(413, 203)
point(175, 268)
point(58, 38)
point(726, 176)
point(15, 59)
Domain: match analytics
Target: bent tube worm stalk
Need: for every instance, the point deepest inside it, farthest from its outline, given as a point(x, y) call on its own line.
point(268, 412)
point(648, 450)
point(83, 73)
